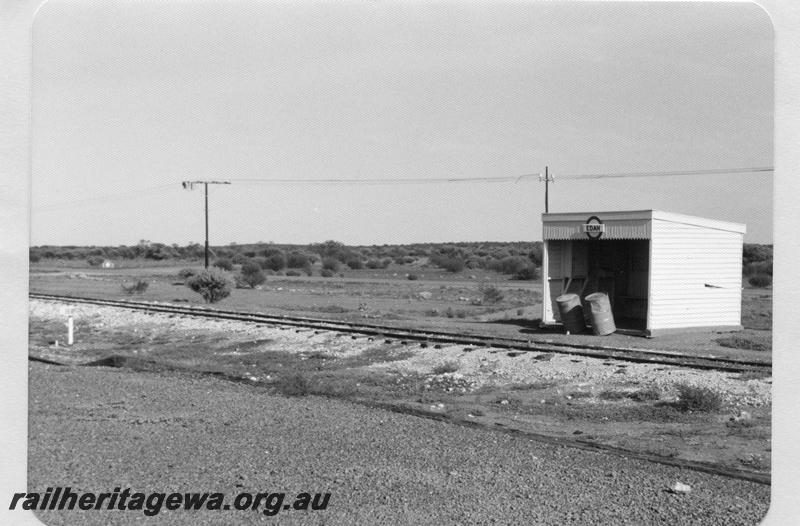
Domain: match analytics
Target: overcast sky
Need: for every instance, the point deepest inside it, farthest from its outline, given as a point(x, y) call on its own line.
point(131, 98)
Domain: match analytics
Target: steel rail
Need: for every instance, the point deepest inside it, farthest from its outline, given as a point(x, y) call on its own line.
point(432, 336)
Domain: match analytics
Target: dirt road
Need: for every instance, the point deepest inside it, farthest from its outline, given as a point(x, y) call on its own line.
point(96, 428)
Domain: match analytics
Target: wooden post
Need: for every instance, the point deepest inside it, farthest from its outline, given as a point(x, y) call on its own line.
point(546, 191)
point(206, 253)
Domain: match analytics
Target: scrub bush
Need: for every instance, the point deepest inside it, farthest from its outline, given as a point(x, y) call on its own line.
point(251, 274)
point(331, 264)
point(297, 260)
point(700, 399)
point(276, 261)
point(137, 287)
point(223, 263)
point(526, 274)
point(760, 280)
point(212, 284)
point(491, 295)
point(355, 264)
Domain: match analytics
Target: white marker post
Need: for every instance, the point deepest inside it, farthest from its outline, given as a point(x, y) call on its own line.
point(70, 327)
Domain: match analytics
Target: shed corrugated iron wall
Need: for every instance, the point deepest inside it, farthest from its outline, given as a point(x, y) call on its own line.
point(695, 276)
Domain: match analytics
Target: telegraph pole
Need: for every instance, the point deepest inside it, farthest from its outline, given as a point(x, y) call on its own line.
point(189, 185)
point(547, 180)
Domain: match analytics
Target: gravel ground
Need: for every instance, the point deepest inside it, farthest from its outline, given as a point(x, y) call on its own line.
point(98, 428)
point(479, 366)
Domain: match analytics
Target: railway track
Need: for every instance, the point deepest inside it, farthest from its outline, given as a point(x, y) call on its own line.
point(433, 337)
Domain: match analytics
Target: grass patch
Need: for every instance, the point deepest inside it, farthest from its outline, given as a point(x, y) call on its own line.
point(137, 287)
point(697, 399)
point(612, 395)
point(332, 309)
point(740, 342)
point(754, 375)
point(446, 367)
point(644, 395)
point(293, 385)
point(533, 386)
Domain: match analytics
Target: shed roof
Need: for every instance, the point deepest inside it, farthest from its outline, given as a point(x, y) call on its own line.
point(645, 215)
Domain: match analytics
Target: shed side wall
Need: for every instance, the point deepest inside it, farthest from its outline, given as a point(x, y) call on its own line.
point(696, 276)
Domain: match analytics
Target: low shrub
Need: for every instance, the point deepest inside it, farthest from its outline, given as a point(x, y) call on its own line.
point(186, 273)
point(374, 264)
point(412, 277)
point(698, 399)
point(760, 280)
point(450, 264)
point(212, 284)
point(275, 261)
point(94, 261)
point(355, 264)
point(326, 273)
point(491, 295)
point(331, 264)
point(223, 263)
point(527, 273)
point(251, 274)
point(758, 267)
point(137, 287)
point(239, 258)
point(297, 260)
point(293, 273)
point(34, 258)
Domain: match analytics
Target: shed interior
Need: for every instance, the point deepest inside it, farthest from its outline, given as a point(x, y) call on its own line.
point(617, 267)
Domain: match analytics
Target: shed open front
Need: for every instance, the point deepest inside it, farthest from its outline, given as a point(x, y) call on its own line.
point(617, 267)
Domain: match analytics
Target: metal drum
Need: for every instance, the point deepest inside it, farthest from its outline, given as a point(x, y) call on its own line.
point(569, 306)
point(600, 314)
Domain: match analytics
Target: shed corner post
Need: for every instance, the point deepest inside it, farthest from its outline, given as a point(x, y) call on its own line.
point(545, 282)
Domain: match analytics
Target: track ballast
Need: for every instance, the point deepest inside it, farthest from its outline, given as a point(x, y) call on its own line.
point(431, 336)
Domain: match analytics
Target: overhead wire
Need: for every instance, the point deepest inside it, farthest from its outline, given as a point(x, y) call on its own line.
point(713, 171)
point(108, 197)
point(389, 180)
point(416, 180)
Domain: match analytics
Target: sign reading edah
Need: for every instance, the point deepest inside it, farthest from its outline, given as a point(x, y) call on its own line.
point(593, 227)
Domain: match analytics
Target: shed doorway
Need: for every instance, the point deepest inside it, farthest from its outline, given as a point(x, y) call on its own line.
point(617, 267)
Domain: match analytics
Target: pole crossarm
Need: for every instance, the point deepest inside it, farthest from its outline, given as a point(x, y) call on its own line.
point(189, 185)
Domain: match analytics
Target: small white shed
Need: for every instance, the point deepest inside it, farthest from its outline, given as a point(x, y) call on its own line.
point(662, 271)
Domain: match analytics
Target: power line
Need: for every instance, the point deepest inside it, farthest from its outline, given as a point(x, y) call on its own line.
point(714, 171)
point(380, 181)
point(419, 180)
point(89, 200)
